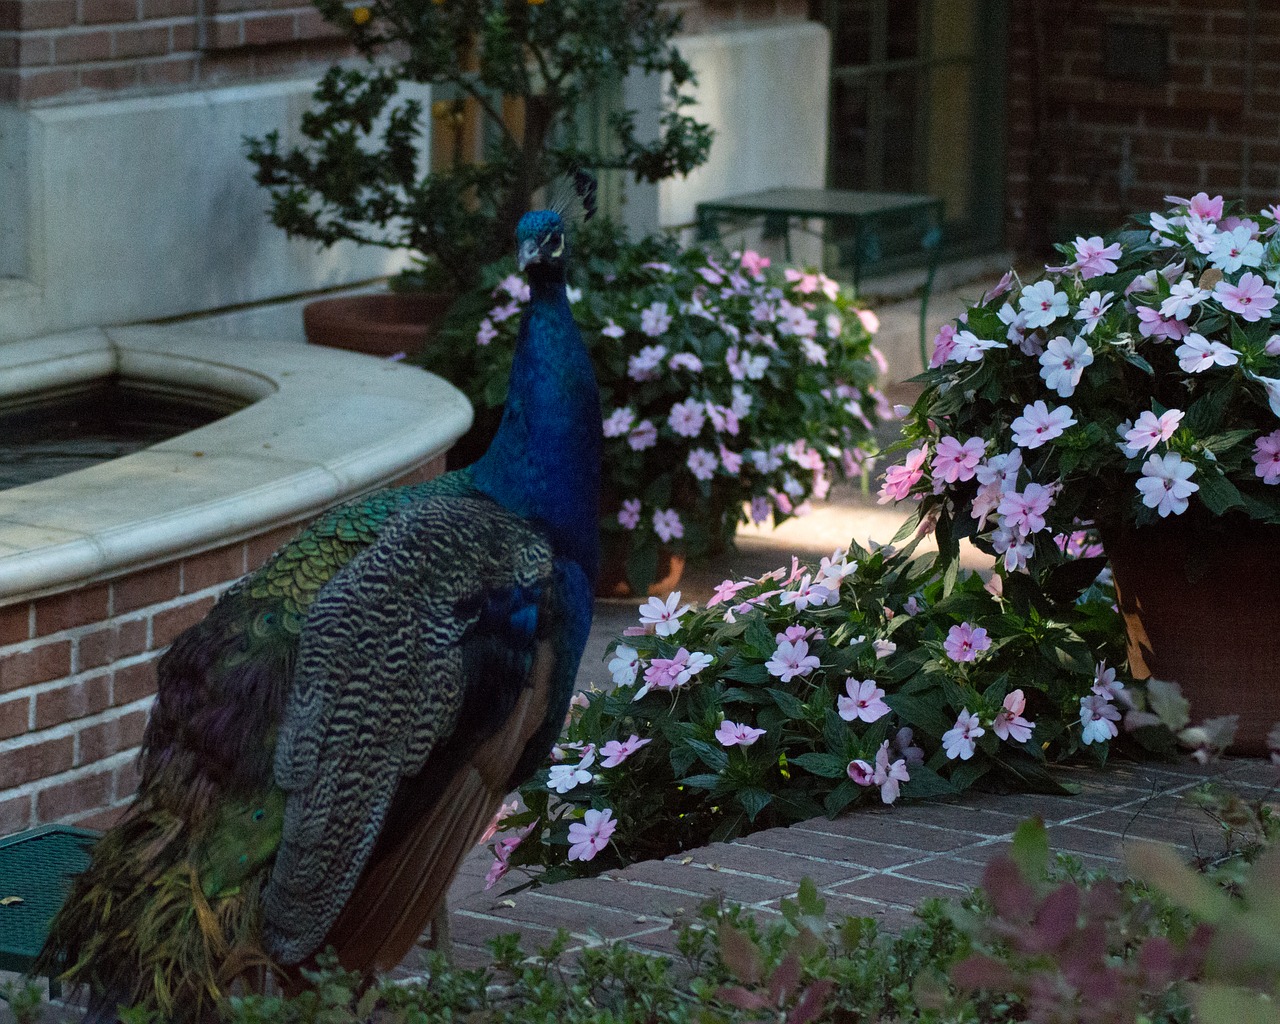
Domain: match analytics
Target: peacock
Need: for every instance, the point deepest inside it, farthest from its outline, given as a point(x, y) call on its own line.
point(333, 738)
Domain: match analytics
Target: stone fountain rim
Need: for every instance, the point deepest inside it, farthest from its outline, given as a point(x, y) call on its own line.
point(324, 425)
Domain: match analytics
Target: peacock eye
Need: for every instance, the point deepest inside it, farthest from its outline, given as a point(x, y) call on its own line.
point(259, 814)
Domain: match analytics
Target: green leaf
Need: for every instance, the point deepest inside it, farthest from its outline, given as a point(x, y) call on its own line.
point(791, 705)
point(642, 568)
point(753, 800)
point(966, 773)
point(704, 781)
point(925, 782)
point(1168, 704)
point(1136, 360)
point(826, 766)
point(753, 673)
point(1217, 492)
point(1031, 849)
point(920, 713)
point(841, 797)
point(715, 758)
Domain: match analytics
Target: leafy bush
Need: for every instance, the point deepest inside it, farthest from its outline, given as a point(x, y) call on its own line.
point(811, 690)
point(724, 382)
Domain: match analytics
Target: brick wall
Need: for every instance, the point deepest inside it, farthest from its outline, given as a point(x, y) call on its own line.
point(77, 676)
point(1111, 147)
point(68, 49)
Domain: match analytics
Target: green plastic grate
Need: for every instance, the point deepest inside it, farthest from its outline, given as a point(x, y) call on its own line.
point(36, 867)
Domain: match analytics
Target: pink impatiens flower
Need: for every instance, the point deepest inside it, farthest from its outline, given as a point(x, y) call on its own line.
point(731, 734)
point(1200, 205)
point(1009, 723)
point(643, 435)
point(1024, 511)
point(725, 591)
point(702, 464)
point(1166, 484)
point(1153, 324)
point(960, 740)
point(687, 418)
point(753, 263)
point(898, 480)
point(809, 593)
point(616, 752)
point(1234, 249)
point(954, 462)
point(1150, 430)
point(629, 514)
point(965, 642)
point(502, 850)
point(1266, 453)
point(1197, 353)
point(889, 776)
point(944, 344)
point(1252, 298)
point(672, 673)
point(865, 702)
point(618, 422)
point(667, 525)
point(1037, 425)
point(1098, 716)
point(591, 835)
point(654, 320)
point(791, 660)
point(1093, 259)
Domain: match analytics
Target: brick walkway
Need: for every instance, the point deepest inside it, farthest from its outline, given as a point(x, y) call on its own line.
point(877, 863)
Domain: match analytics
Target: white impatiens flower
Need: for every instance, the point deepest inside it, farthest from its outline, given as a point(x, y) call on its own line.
point(564, 777)
point(1166, 484)
point(967, 347)
point(1197, 353)
point(1093, 309)
point(654, 319)
point(1037, 425)
point(1182, 297)
point(1062, 364)
point(1041, 304)
point(1235, 249)
point(625, 665)
point(663, 616)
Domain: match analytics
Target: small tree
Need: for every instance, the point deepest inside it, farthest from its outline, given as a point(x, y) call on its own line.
point(527, 66)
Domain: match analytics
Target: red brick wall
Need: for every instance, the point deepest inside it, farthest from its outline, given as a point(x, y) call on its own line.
point(77, 675)
point(1204, 129)
point(71, 49)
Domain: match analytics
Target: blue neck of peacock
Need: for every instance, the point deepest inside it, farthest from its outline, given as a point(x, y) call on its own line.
point(544, 463)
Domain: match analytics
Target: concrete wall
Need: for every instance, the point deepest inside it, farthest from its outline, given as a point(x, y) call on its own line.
point(144, 208)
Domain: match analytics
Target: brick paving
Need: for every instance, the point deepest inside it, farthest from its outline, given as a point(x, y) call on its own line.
point(878, 863)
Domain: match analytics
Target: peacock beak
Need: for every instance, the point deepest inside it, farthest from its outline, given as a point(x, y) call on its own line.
point(528, 253)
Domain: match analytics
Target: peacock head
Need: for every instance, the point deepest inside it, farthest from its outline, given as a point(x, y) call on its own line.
point(541, 243)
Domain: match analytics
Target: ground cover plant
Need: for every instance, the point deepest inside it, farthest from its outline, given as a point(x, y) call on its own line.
point(1042, 940)
point(730, 389)
point(868, 677)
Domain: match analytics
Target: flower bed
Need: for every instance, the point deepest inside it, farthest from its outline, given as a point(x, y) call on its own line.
point(870, 676)
point(724, 383)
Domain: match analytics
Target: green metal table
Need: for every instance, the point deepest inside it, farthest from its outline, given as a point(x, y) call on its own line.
point(870, 218)
point(35, 872)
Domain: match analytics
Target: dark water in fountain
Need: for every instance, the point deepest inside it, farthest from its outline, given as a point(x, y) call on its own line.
point(103, 421)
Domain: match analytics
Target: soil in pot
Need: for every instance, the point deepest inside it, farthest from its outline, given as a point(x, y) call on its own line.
point(1202, 609)
point(378, 324)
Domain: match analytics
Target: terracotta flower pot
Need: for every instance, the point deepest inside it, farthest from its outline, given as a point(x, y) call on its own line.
point(1203, 610)
point(378, 324)
point(613, 573)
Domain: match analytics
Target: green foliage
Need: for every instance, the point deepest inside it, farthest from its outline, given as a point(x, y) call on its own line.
point(781, 406)
point(359, 171)
point(682, 786)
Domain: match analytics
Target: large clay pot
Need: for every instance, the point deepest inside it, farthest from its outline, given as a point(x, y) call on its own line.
point(613, 572)
point(379, 323)
point(1203, 610)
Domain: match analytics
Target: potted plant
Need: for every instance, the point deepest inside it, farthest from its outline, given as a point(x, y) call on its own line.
point(729, 388)
point(1132, 390)
point(514, 75)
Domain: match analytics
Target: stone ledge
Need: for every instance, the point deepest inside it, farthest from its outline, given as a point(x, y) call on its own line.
point(323, 426)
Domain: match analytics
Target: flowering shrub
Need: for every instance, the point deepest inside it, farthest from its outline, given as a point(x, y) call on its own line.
point(724, 383)
point(1139, 380)
point(868, 678)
